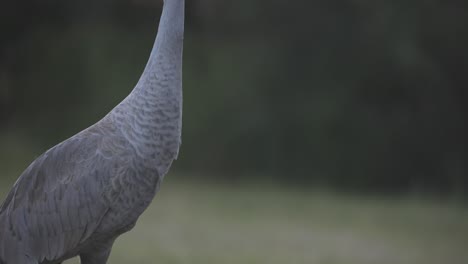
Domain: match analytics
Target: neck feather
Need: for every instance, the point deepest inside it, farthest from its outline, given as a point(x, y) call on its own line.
point(151, 116)
point(168, 47)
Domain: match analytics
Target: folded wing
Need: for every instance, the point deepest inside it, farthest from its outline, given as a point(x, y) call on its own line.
point(58, 202)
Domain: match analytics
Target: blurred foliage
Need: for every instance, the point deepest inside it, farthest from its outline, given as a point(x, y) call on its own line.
point(354, 94)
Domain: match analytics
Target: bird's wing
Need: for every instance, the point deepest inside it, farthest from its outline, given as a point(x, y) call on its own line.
point(58, 202)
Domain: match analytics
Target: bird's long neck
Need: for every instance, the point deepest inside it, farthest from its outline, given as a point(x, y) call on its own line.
point(165, 62)
point(151, 116)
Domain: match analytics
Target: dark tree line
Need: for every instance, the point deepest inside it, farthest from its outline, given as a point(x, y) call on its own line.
point(353, 94)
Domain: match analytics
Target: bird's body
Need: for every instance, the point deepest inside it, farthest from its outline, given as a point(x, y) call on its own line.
point(80, 195)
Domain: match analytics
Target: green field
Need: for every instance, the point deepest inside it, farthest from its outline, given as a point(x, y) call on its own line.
point(232, 224)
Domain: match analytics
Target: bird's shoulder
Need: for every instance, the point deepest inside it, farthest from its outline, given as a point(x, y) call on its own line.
point(57, 202)
point(83, 161)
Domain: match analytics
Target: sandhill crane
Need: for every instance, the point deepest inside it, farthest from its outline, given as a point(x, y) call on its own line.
point(79, 196)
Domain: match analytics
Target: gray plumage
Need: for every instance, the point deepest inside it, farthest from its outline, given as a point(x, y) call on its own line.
point(79, 196)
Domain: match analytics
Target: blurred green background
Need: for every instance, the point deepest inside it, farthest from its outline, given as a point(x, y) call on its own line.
point(327, 131)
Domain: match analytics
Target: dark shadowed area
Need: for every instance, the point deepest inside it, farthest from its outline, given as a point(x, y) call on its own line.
point(327, 131)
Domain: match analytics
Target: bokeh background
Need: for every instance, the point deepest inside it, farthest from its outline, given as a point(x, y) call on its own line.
point(327, 131)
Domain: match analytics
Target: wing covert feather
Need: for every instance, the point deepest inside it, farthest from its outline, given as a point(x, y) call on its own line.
point(58, 202)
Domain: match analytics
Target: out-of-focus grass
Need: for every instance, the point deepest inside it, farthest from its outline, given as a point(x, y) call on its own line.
point(198, 222)
point(231, 224)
